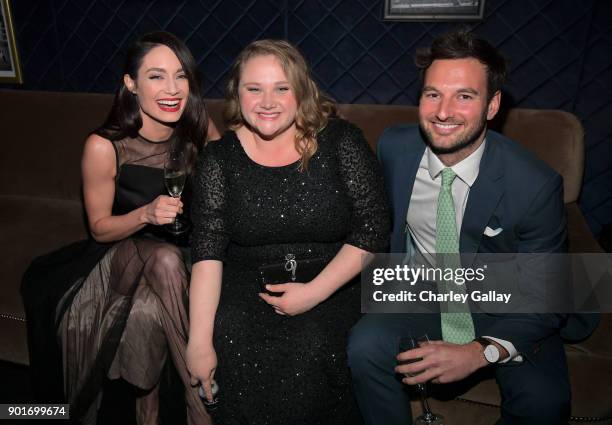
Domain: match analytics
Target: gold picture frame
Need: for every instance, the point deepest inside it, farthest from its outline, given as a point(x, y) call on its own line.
point(10, 67)
point(433, 10)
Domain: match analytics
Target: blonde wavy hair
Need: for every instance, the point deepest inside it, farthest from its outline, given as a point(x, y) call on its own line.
point(314, 108)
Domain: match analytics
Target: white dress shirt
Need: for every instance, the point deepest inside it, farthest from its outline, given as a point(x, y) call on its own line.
point(421, 217)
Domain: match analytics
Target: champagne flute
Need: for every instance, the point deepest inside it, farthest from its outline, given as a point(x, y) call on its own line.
point(175, 174)
point(405, 343)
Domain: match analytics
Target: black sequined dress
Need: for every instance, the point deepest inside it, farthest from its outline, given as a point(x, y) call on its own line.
point(277, 369)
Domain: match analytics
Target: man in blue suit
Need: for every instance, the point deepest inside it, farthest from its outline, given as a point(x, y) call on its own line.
point(502, 200)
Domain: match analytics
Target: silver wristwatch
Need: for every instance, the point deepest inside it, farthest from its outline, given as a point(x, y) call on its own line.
point(490, 351)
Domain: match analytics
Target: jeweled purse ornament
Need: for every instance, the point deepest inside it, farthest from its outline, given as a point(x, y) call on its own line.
point(290, 270)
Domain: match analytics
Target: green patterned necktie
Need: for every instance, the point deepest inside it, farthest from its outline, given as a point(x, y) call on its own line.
point(457, 324)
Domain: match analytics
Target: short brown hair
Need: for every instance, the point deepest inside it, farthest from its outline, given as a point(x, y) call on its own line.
point(314, 108)
point(462, 44)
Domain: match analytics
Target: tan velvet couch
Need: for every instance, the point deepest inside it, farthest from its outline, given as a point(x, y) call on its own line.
point(42, 135)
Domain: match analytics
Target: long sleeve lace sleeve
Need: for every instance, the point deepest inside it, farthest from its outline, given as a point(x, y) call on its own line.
point(209, 237)
point(363, 180)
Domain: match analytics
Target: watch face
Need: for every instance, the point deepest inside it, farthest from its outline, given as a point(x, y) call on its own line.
point(491, 353)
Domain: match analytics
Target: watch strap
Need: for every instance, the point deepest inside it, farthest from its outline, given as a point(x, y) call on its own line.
point(482, 341)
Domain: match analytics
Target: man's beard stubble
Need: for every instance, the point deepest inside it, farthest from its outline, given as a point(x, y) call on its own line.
point(461, 144)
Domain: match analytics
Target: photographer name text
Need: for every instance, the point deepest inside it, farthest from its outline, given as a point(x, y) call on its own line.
point(448, 297)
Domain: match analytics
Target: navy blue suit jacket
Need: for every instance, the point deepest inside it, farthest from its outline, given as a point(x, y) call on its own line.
point(514, 190)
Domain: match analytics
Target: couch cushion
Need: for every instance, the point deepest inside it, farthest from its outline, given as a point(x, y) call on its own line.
point(460, 412)
point(541, 131)
point(43, 134)
point(13, 340)
point(591, 384)
point(580, 237)
point(30, 227)
point(374, 119)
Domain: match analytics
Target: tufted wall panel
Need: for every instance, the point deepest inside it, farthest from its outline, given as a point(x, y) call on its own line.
point(560, 53)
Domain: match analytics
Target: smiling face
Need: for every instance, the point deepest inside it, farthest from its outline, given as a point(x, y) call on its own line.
point(453, 109)
point(267, 99)
point(161, 87)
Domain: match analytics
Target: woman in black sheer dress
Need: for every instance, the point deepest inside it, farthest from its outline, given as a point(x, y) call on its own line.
point(118, 303)
point(289, 186)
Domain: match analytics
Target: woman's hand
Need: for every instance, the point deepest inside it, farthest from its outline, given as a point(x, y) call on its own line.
point(201, 364)
point(298, 298)
point(162, 210)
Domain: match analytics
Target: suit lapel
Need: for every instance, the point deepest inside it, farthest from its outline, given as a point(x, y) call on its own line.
point(404, 176)
point(484, 196)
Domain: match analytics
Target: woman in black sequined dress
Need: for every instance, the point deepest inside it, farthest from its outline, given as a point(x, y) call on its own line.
point(288, 179)
point(118, 302)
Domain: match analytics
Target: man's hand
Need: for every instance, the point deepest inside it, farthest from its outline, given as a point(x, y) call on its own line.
point(441, 362)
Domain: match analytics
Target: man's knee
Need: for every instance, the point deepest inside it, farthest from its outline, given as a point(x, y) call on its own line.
point(368, 347)
point(550, 400)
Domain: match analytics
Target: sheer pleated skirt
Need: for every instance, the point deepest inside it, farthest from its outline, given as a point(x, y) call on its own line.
point(122, 320)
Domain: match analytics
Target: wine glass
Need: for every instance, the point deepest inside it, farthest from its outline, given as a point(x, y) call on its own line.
point(405, 343)
point(175, 174)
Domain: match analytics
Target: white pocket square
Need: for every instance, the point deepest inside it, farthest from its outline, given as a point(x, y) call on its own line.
point(492, 232)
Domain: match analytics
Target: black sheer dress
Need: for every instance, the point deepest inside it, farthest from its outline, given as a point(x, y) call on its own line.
point(117, 309)
point(276, 369)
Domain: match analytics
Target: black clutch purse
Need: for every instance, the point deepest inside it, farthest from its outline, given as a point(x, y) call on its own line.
point(291, 270)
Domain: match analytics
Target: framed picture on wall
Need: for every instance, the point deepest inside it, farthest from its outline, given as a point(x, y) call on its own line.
point(433, 10)
point(10, 68)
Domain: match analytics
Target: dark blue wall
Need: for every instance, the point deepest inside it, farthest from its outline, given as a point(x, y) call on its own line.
point(560, 52)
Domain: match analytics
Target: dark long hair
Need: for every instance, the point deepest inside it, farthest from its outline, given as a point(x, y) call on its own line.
point(124, 119)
